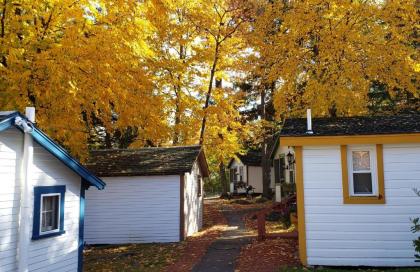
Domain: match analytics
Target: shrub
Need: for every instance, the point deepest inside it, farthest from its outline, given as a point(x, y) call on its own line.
point(416, 228)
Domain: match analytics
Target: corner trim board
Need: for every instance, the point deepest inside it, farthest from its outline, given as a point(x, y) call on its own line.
point(300, 205)
point(181, 207)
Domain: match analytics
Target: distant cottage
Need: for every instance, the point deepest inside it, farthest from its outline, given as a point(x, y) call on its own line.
point(354, 180)
point(245, 170)
point(153, 195)
point(42, 192)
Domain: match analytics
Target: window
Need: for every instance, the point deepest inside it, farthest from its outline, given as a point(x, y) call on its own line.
point(282, 169)
point(362, 173)
point(199, 185)
point(50, 215)
point(48, 211)
point(291, 176)
point(241, 173)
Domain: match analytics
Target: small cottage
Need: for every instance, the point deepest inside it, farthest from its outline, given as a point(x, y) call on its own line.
point(246, 170)
point(354, 180)
point(41, 199)
point(153, 195)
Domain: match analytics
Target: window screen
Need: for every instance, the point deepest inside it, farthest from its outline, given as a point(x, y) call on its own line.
point(50, 213)
point(362, 173)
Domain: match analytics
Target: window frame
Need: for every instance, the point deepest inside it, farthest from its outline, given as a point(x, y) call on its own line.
point(372, 171)
point(241, 173)
point(377, 170)
point(41, 213)
point(39, 193)
point(199, 186)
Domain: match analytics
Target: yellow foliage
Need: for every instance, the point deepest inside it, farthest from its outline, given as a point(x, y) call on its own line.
point(325, 54)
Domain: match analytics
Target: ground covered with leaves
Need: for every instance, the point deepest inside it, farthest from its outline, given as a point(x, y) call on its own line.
point(343, 269)
point(268, 255)
point(280, 225)
point(193, 249)
point(159, 257)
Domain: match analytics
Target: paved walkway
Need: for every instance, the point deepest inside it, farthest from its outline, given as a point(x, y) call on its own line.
point(221, 255)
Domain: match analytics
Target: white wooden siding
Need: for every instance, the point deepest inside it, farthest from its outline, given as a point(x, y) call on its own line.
point(133, 210)
point(58, 253)
point(373, 235)
point(255, 178)
point(11, 146)
point(193, 205)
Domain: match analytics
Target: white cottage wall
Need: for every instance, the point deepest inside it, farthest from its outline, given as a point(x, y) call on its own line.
point(193, 207)
point(255, 178)
point(48, 254)
point(11, 146)
point(59, 253)
point(133, 210)
point(354, 235)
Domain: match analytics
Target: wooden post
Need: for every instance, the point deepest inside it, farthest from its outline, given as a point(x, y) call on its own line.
point(261, 226)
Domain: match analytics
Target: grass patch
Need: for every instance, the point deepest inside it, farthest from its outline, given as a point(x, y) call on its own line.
point(347, 269)
point(132, 257)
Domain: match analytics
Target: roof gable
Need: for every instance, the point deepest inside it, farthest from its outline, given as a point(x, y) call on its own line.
point(147, 161)
point(251, 158)
point(7, 120)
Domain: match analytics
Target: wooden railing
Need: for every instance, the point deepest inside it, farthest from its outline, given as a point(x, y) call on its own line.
point(284, 209)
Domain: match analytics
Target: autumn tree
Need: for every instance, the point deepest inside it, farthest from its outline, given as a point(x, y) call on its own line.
point(220, 22)
point(78, 63)
point(327, 54)
point(225, 130)
point(177, 64)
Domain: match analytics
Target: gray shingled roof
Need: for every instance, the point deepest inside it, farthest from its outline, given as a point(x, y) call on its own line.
point(147, 161)
point(363, 125)
point(252, 158)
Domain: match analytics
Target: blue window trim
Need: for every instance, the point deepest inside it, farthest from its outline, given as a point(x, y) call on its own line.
point(38, 192)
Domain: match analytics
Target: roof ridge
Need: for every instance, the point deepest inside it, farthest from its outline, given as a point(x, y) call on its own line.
point(146, 147)
point(360, 116)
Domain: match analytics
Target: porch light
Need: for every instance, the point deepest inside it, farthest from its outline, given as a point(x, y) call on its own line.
point(290, 159)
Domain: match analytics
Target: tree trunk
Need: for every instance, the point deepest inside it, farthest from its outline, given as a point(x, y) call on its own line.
point(209, 90)
point(176, 139)
point(265, 160)
point(108, 140)
point(223, 180)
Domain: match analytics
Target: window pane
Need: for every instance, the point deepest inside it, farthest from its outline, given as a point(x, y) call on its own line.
point(361, 160)
point(49, 213)
point(362, 183)
point(291, 177)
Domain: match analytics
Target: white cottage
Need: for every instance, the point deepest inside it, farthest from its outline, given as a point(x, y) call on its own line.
point(246, 170)
point(355, 178)
point(41, 199)
point(152, 195)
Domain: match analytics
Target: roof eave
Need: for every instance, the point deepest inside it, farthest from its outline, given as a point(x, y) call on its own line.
point(202, 162)
point(350, 139)
point(56, 150)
